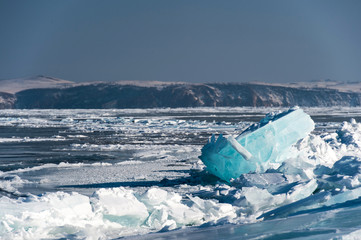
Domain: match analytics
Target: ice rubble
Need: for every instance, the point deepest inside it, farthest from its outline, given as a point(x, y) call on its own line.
point(258, 147)
point(109, 213)
point(320, 172)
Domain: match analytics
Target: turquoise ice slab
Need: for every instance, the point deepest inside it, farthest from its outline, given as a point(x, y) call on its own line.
point(258, 146)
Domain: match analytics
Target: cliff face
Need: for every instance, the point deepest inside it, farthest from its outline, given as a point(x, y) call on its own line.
point(107, 95)
point(7, 100)
point(267, 95)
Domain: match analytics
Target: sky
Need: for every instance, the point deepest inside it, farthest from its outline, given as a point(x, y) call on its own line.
point(181, 40)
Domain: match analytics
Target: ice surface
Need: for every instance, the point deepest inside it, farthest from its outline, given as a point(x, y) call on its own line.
point(312, 191)
point(257, 147)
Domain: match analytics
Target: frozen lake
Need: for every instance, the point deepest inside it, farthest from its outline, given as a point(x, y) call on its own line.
point(106, 174)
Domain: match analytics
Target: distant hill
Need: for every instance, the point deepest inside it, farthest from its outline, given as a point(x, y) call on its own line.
point(45, 92)
point(19, 84)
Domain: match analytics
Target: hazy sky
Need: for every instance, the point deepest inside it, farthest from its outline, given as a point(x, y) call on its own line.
point(193, 41)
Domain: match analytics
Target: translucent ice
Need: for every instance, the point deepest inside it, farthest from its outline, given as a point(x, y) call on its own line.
point(107, 214)
point(119, 205)
point(258, 147)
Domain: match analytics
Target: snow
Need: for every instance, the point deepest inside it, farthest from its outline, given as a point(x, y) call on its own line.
point(19, 84)
point(29, 139)
point(326, 83)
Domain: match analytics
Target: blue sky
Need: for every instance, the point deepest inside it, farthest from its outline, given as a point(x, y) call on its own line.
point(189, 40)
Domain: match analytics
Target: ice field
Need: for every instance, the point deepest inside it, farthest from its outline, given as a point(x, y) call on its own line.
point(109, 174)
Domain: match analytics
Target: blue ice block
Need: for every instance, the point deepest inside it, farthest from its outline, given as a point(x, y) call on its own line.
point(257, 146)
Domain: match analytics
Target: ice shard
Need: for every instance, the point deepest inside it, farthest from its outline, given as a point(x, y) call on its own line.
point(258, 146)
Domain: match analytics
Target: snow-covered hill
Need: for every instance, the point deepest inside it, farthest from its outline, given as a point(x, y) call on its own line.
point(20, 84)
point(46, 92)
point(330, 84)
